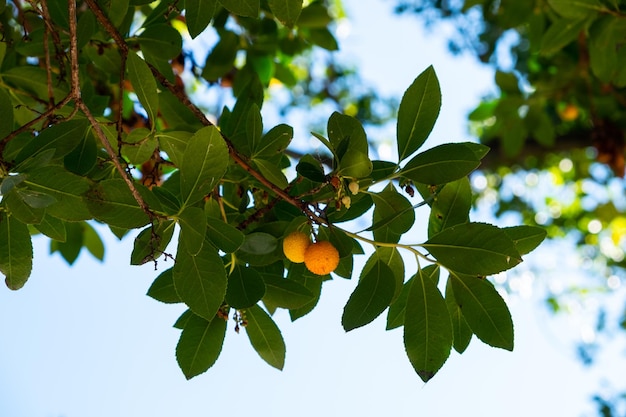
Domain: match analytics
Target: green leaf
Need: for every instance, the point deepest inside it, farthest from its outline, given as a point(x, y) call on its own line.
point(259, 243)
point(370, 298)
point(299, 274)
point(84, 156)
point(200, 280)
point(271, 172)
point(198, 15)
point(151, 242)
point(52, 227)
point(163, 289)
point(392, 258)
point(182, 319)
point(144, 84)
point(484, 310)
point(265, 337)
point(561, 33)
point(525, 238)
point(474, 248)
point(192, 223)
point(92, 241)
point(286, 11)
point(204, 163)
point(161, 41)
point(224, 236)
point(451, 206)
point(245, 287)
point(247, 8)
point(285, 293)
point(323, 37)
point(61, 138)
point(460, 329)
point(222, 58)
point(71, 248)
point(418, 112)
point(139, 146)
point(395, 316)
point(34, 80)
point(273, 142)
point(112, 202)
point(575, 9)
point(26, 214)
point(442, 164)
point(16, 251)
point(6, 110)
point(200, 344)
point(393, 215)
point(66, 188)
point(427, 327)
point(174, 144)
point(315, 15)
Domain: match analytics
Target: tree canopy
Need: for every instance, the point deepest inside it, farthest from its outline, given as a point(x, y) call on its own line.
point(101, 123)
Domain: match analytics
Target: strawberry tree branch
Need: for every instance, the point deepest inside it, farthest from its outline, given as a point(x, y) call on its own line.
point(182, 97)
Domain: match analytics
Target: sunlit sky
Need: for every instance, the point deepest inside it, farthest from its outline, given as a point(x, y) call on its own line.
point(85, 341)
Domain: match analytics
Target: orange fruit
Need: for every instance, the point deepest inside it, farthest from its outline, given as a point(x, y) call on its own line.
point(321, 258)
point(294, 246)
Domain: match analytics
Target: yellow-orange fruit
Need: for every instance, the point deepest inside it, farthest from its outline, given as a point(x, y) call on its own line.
point(294, 246)
point(321, 258)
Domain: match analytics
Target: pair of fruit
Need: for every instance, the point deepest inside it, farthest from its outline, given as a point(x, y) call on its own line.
point(321, 257)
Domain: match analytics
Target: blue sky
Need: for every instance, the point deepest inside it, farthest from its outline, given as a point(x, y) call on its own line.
point(85, 341)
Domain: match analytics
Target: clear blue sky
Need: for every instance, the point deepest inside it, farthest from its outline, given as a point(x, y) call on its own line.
point(85, 341)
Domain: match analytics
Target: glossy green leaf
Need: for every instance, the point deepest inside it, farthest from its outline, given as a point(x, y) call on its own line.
point(254, 126)
point(265, 337)
point(163, 289)
point(174, 144)
point(451, 206)
point(198, 15)
point(34, 80)
point(192, 223)
point(203, 165)
point(61, 138)
point(441, 164)
point(460, 329)
point(66, 188)
point(224, 236)
point(112, 202)
point(161, 40)
point(286, 11)
point(259, 243)
point(395, 315)
point(427, 327)
point(245, 287)
point(484, 310)
point(370, 298)
point(525, 238)
point(474, 248)
point(418, 112)
point(36, 199)
point(16, 251)
point(200, 344)
point(151, 242)
point(6, 110)
point(144, 84)
point(182, 319)
point(200, 280)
